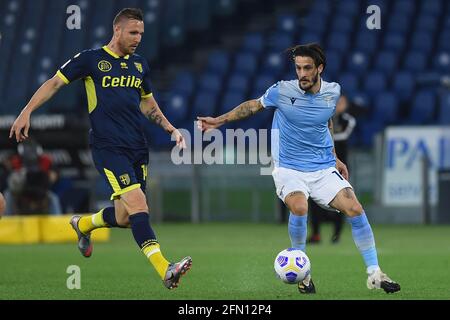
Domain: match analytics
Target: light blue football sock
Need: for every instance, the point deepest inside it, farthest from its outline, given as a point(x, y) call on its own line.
point(297, 228)
point(364, 240)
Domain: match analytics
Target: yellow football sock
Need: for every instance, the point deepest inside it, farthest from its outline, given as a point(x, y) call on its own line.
point(89, 223)
point(153, 253)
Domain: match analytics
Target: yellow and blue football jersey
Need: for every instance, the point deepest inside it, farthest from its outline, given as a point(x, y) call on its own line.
point(114, 86)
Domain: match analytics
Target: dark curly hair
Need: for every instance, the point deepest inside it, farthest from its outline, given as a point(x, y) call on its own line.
point(312, 50)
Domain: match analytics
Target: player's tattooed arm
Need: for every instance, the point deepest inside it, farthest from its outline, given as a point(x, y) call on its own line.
point(150, 109)
point(242, 111)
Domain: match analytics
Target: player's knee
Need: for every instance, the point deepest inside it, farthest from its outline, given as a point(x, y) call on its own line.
point(299, 208)
point(123, 221)
point(135, 202)
point(354, 209)
point(138, 208)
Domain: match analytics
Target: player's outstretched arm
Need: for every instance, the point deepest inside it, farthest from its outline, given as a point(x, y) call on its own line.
point(242, 111)
point(43, 94)
point(150, 109)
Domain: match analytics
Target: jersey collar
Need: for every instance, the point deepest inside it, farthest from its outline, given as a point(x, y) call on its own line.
point(115, 55)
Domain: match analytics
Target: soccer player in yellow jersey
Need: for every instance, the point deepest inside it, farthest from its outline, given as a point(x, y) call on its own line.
point(118, 90)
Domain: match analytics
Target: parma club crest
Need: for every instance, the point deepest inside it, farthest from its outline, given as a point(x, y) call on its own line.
point(125, 179)
point(138, 66)
point(104, 66)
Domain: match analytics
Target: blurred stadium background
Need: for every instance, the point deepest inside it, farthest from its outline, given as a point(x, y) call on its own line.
point(208, 56)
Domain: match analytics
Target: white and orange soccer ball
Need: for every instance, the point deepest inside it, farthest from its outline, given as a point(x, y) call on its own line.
point(292, 265)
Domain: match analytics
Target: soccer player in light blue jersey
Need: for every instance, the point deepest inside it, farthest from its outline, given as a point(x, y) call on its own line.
point(305, 162)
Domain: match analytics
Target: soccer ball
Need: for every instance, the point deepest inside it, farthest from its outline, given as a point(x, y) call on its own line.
point(292, 265)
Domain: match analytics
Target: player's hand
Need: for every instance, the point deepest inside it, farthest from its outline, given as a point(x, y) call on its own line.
point(208, 123)
point(178, 137)
point(342, 168)
point(20, 127)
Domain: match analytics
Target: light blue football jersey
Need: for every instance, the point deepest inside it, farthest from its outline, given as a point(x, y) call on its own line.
point(303, 142)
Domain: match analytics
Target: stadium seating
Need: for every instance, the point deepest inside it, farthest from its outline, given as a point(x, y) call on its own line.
point(253, 42)
point(403, 85)
point(358, 62)
point(204, 104)
point(444, 109)
point(422, 109)
point(184, 82)
point(385, 108)
point(210, 82)
point(273, 63)
point(218, 62)
point(394, 41)
point(176, 107)
point(230, 100)
point(349, 82)
point(334, 63)
point(245, 62)
point(374, 83)
point(366, 41)
point(287, 23)
point(383, 69)
point(278, 41)
point(339, 41)
point(262, 83)
point(405, 7)
point(342, 24)
point(386, 62)
point(399, 23)
point(442, 62)
point(415, 61)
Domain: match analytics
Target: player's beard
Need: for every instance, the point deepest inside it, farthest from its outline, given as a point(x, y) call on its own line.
point(126, 48)
point(315, 79)
point(131, 49)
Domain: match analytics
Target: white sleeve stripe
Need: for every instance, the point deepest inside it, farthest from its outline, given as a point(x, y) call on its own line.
point(344, 135)
point(261, 99)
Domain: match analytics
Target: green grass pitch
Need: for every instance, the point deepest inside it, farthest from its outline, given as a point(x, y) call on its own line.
point(230, 261)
